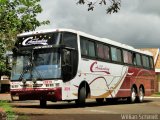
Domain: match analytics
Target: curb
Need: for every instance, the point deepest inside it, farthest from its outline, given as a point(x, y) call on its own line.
point(150, 97)
point(5, 97)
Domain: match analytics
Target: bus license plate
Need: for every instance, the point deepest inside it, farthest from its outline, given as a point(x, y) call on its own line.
point(15, 97)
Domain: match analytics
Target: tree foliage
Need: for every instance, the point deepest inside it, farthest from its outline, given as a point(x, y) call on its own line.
point(2, 61)
point(112, 7)
point(17, 16)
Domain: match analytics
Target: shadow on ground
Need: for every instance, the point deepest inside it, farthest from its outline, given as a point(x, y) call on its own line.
point(67, 105)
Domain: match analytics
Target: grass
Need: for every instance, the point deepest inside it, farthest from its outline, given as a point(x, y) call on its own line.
point(8, 110)
point(156, 94)
point(11, 115)
point(23, 117)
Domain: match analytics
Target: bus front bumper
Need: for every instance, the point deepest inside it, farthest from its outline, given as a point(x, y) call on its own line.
point(52, 94)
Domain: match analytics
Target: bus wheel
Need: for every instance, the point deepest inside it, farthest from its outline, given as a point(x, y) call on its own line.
point(43, 103)
point(100, 100)
point(81, 97)
point(141, 95)
point(133, 96)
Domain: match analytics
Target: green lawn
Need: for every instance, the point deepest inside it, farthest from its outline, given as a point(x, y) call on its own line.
point(8, 109)
point(11, 115)
point(156, 94)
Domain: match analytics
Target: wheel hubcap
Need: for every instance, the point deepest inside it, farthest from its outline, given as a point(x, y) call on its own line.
point(141, 95)
point(133, 96)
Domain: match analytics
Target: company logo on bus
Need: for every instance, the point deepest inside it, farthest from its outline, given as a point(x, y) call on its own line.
point(99, 68)
point(34, 41)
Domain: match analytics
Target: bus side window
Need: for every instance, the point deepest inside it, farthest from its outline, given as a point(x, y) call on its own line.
point(116, 54)
point(70, 40)
point(91, 49)
point(130, 61)
point(103, 52)
point(145, 60)
point(134, 59)
point(138, 59)
point(127, 57)
point(87, 47)
point(106, 52)
point(84, 50)
point(151, 62)
point(119, 55)
point(100, 51)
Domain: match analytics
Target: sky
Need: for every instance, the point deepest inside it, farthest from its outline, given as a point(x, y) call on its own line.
point(136, 24)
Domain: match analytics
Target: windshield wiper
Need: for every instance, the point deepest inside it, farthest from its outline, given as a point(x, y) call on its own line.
point(25, 69)
point(30, 68)
point(38, 73)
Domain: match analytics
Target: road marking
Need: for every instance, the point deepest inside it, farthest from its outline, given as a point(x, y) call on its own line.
point(101, 111)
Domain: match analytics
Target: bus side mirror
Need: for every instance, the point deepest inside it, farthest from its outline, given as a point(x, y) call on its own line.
point(66, 65)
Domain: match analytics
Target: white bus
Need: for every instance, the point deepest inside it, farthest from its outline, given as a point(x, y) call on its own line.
point(69, 65)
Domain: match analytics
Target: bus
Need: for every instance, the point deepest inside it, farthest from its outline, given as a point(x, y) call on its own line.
point(69, 65)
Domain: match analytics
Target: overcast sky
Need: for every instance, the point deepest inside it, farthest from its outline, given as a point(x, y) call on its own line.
point(136, 24)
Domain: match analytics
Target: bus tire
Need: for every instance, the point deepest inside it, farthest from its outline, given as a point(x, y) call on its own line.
point(141, 95)
point(133, 97)
point(81, 97)
point(43, 103)
point(100, 100)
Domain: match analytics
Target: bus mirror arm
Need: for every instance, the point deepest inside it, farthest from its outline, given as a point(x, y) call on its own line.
point(66, 65)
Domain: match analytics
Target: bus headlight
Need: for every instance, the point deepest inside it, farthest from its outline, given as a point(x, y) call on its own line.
point(57, 84)
point(49, 85)
point(14, 86)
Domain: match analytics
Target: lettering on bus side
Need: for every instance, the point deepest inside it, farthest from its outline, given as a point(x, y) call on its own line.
point(47, 82)
point(34, 41)
point(67, 88)
point(99, 68)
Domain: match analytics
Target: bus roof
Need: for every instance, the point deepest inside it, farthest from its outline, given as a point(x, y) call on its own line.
point(105, 40)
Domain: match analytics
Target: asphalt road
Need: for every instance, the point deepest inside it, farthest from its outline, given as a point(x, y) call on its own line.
point(121, 110)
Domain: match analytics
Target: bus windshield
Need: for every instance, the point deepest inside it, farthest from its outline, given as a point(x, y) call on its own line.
point(40, 64)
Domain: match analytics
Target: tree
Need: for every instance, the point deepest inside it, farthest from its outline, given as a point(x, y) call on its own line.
point(2, 62)
point(16, 16)
point(113, 7)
